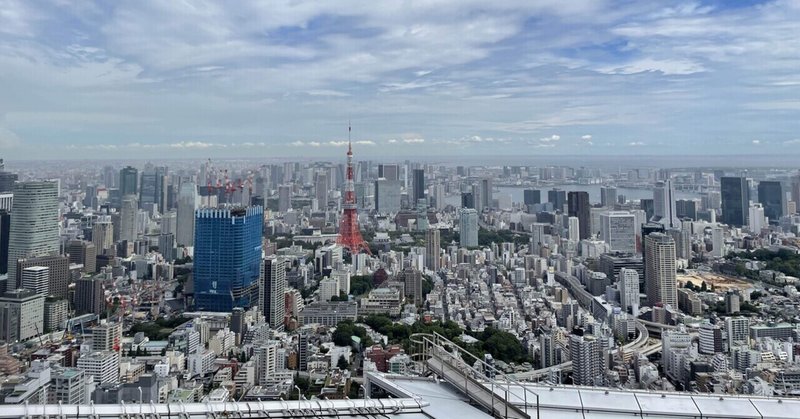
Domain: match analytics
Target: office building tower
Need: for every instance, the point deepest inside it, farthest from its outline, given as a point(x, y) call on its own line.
point(102, 366)
point(487, 193)
point(36, 279)
point(83, 253)
point(735, 200)
point(587, 360)
point(273, 287)
point(187, 204)
point(5, 235)
point(21, 315)
point(468, 228)
point(55, 313)
point(738, 330)
point(387, 196)
point(152, 188)
point(683, 243)
point(58, 272)
point(608, 196)
point(68, 386)
point(477, 199)
point(127, 218)
point(107, 336)
point(89, 296)
point(618, 229)
point(168, 223)
point(412, 279)
point(558, 198)
point(538, 239)
point(266, 357)
point(418, 185)
point(389, 171)
point(302, 350)
point(328, 288)
point(227, 257)
point(103, 234)
point(578, 206)
point(732, 302)
point(574, 229)
point(664, 204)
point(686, 208)
point(770, 195)
point(660, 270)
point(629, 290)
point(467, 200)
point(284, 198)
point(7, 180)
point(128, 181)
point(532, 196)
point(648, 206)
point(34, 229)
point(166, 246)
point(321, 190)
point(432, 249)
point(756, 219)
point(672, 342)
point(710, 338)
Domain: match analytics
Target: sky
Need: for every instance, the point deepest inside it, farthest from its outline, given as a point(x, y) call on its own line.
point(149, 79)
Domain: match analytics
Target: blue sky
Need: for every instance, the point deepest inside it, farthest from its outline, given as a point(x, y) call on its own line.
point(445, 77)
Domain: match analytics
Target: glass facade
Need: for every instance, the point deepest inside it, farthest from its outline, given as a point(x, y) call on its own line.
point(227, 257)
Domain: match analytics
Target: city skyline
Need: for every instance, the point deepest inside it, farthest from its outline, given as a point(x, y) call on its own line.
point(450, 78)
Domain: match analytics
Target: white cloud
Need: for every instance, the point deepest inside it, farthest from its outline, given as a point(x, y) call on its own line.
point(586, 137)
point(635, 143)
point(551, 138)
point(414, 140)
point(756, 142)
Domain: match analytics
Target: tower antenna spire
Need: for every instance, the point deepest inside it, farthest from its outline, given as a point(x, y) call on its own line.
point(349, 139)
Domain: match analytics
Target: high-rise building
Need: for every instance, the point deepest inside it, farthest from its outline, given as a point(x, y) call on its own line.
point(418, 185)
point(83, 253)
point(284, 198)
point(5, 234)
point(467, 200)
point(273, 288)
point(574, 229)
point(629, 289)
point(558, 198)
point(686, 208)
point(608, 196)
point(738, 330)
point(55, 313)
point(103, 234)
point(127, 218)
point(34, 229)
point(432, 248)
point(321, 184)
point(89, 297)
point(486, 193)
point(387, 196)
point(578, 206)
point(36, 279)
point(107, 336)
point(587, 360)
point(389, 171)
point(660, 270)
point(618, 229)
point(187, 204)
point(68, 386)
point(7, 180)
point(770, 195)
point(128, 181)
point(710, 338)
point(412, 279)
point(166, 246)
point(735, 200)
point(227, 257)
point(102, 366)
point(532, 196)
point(153, 189)
point(266, 356)
point(58, 272)
point(664, 211)
point(21, 315)
point(468, 227)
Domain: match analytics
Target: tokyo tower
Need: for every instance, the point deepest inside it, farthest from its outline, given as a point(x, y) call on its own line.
point(349, 233)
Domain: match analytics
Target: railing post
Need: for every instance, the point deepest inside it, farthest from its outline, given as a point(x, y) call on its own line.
point(493, 397)
point(507, 403)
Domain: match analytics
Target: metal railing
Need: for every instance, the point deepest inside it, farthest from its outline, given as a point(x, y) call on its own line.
point(495, 382)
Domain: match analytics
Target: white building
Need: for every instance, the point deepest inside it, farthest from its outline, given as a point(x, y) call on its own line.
point(103, 366)
point(629, 290)
point(328, 288)
point(36, 279)
point(574, 229)
point(756, 220)
point(34, 229)
point(618, 229)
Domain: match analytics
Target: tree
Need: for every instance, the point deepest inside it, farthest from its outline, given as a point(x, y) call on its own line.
point(703, 287)
point(342, 364)
point(755, 295)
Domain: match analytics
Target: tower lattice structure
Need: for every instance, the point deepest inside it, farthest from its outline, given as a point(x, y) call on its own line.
point(349, 234)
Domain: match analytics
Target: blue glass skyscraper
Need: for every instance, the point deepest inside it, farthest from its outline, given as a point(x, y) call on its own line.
point(227, 257)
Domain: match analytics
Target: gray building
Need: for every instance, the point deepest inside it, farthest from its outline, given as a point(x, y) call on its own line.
point(329, 313)
point(21, 315)
point(387, 196)
point(468, 228)
point(273, 287)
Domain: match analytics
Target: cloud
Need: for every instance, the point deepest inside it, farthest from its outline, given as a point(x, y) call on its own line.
point(635, 143)
point(792, 142)
point(8, 139)
point(414, 140)
point(756, 142)
point(586, 137)
point(549, 139)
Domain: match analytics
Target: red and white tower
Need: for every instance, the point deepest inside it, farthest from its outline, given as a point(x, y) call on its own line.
point(349, 233)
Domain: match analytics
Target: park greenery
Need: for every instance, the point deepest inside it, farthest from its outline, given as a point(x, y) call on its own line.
point(159, 329)
point(783, 260)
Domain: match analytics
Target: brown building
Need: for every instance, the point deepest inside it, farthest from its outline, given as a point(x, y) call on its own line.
point(59, 272)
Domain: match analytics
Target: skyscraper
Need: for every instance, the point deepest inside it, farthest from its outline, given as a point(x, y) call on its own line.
point(412, 279)
point(770, 195)
point(321, 190)
point(660, 271)
point(608, 196)
point(558, 198)
point(432, 249)
point(532, 196)
point(664, 204)
point(127, 218)
point(468, 228)
point(618, 229)
point(34, 229)
point(418, 186)
point(227, 263)
point(387, 196)
point(273, 286)
point(187, 204)
point(574, 229)
point(735, 200)
point(5, 231)
point(284, 198)
point(389, 171)
point(103, 234)
point(486, 193)
point(89, 296)
point(587, 360)
point(628, 288)
point(578, 206)
point(128, 181)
